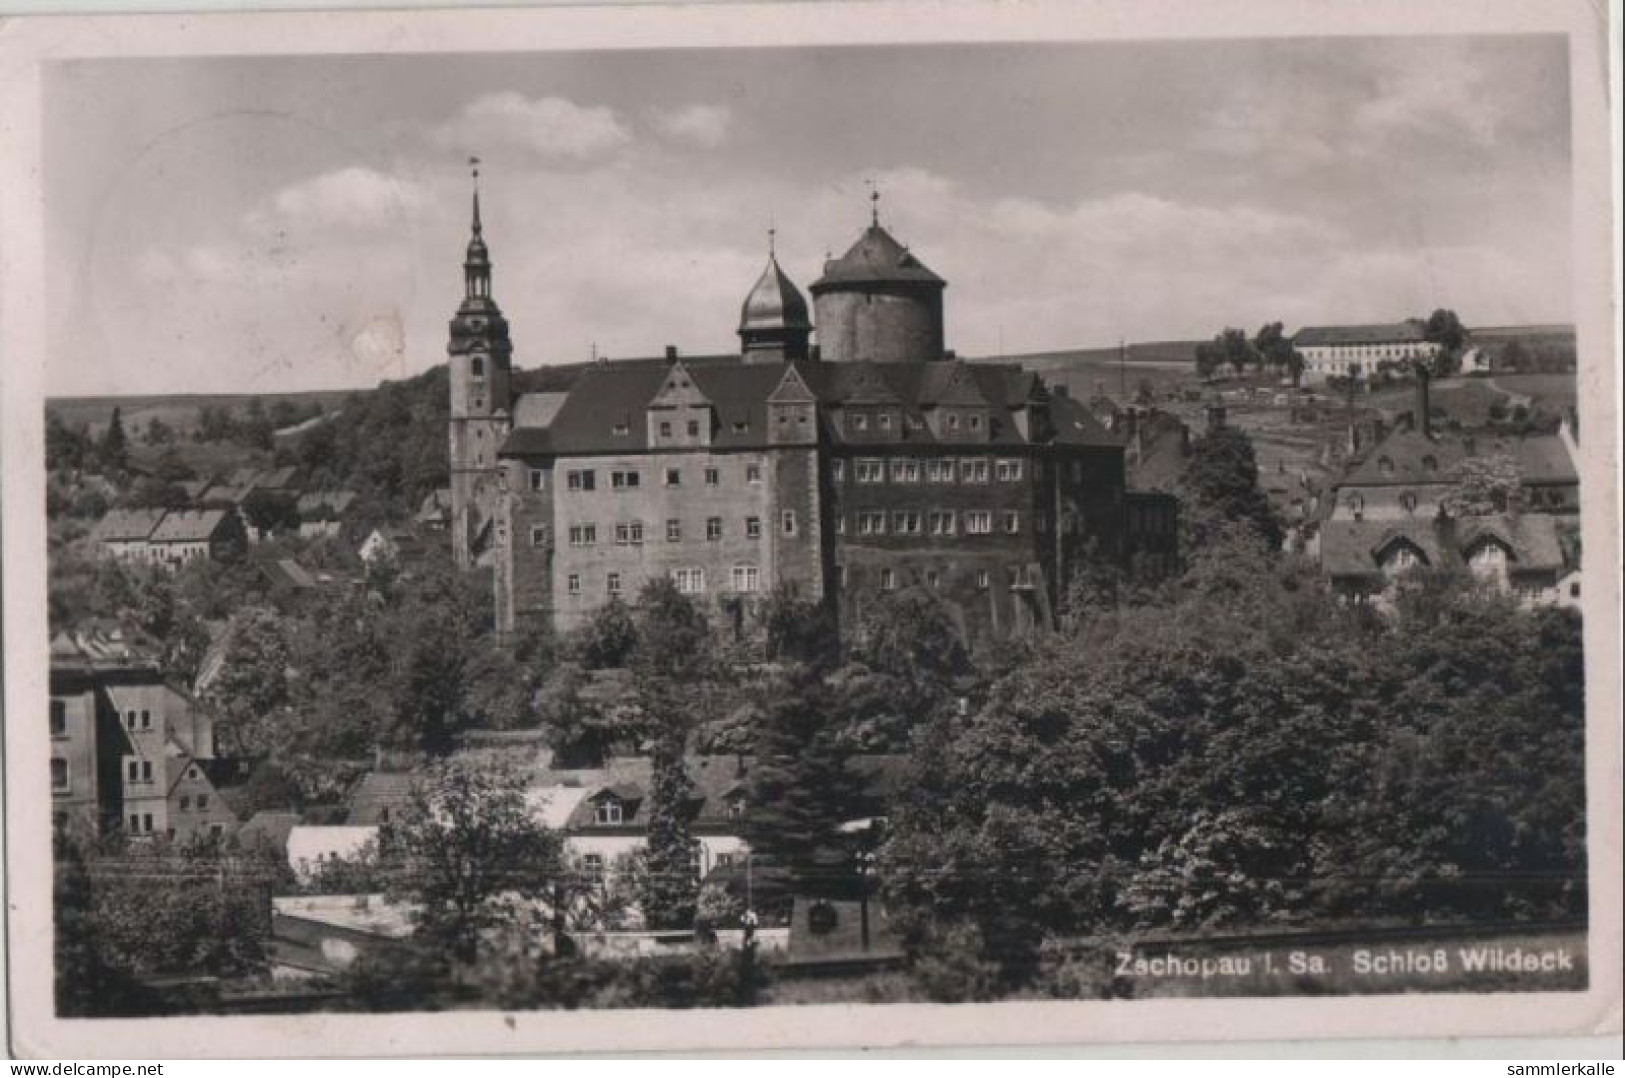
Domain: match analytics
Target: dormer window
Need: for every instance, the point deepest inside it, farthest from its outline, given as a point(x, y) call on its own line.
point(608, 811)
point(1386, 465)
point(860, 421)
point(884, 421)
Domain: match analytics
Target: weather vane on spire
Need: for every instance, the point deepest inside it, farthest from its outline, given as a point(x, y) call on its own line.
point(474, 167)
point(772, 236)
point(874, 203)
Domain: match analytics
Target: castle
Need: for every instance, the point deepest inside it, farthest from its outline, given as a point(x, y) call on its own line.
point(871, 460)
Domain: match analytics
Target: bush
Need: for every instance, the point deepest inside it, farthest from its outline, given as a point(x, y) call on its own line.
point(951, 967)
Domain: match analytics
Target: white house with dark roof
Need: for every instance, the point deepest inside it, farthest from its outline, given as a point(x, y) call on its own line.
point(1344, 351)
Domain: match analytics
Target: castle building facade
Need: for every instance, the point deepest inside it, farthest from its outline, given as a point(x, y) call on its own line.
point(872, 461)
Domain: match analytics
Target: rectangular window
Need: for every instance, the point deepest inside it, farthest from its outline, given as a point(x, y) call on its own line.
point(787, 521)
point(540, 534)
point(1008, 471)
point(612, 583)
point(837, 470)
point(629, 533)
point(712, 477)
point(953, 420)
point(983, 579)
point(689, 581)
point(884, 421)
point(146, 770)
point(624, 480)
point(538, 479)
point(871, 471)
point(129, 720)
point(942, 522)
point(746, 578)
point(146, 822)
point(840, 523)
point(978, 522)
point(592, 865)
point(713, 528)
point(674, 477)
point(135, 824)
point(753, 527)
point(888, 580)
point(583, 534)
point(186, 803)
point(665, 428)
point(59, 718)
point(753, 473)
point(906, 522)
point(135, 771)
point(146, 719)
point(59, 774)
point(871, 523)
point(905, 471)
point(581, 479)
point(1012, 522)
point(674, 531)
point(693, 428)
point(860, 421)
point(974, 421)
point(622, 427)
point(973, 470)
point(574, 584)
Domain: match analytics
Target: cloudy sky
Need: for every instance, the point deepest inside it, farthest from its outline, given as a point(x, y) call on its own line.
point(298, 223)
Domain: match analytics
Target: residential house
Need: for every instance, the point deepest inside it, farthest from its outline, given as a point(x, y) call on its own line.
point(322, 513)
point(126, 534)
point(1353, 351)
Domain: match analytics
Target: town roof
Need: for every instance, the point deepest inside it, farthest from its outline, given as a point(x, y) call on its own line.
point(1385, 333)
point(378, 796)
point(124, 525)
point(268, 829)
point(876, 258)
point(324, 504)
point(189, 525)
point(1540, 458)
point(1355, 548)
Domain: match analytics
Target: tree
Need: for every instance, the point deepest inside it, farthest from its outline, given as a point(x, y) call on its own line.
point(252, 690)
point(799, 629)
point(115, 448)
point(256, 429)
point(67, 448)
point(671, 884)
point(470, 854)
point(671, 658)
point(271, 512)
point(1445, 329)
point(1483, 486)
point(159, 432)
point(799, 790)
point(1229, 348)
point(608, 638)
point(1220, 483)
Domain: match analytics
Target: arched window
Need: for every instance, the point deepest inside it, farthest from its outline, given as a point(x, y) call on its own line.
point(476, 367)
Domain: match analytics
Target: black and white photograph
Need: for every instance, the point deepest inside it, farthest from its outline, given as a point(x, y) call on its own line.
point(573, 527)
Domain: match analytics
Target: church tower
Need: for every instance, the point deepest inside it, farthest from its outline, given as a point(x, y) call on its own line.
point(480, 361)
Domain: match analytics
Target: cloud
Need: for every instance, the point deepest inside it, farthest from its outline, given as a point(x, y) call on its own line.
point(351, 199)
point(549, 127)
point(705, 126)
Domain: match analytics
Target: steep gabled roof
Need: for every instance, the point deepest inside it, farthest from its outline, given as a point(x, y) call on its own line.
point(189, 525)
point(125, 525)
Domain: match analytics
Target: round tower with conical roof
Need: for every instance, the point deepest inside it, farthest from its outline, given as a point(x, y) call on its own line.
point(773, 322)
point(878, 302)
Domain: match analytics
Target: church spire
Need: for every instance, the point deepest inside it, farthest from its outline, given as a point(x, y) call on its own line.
point(477, 264)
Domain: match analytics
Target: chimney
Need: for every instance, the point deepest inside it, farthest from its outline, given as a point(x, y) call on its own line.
point(671, 353)
point(1424, 420)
